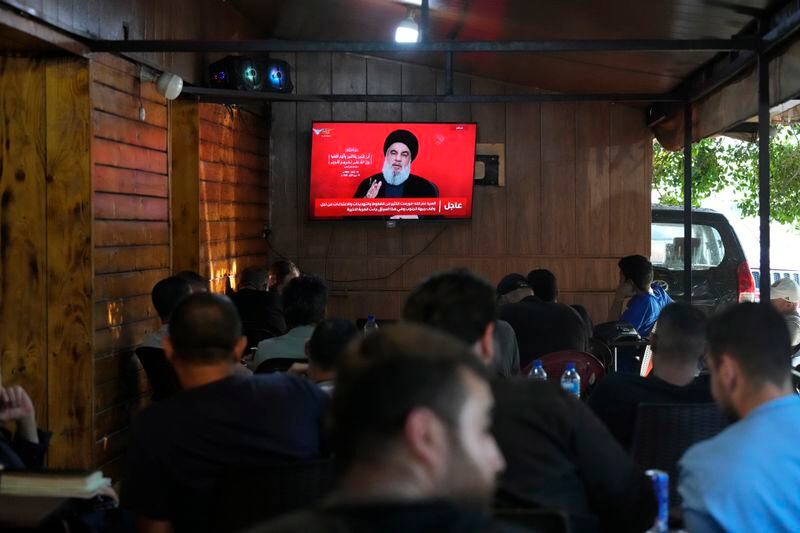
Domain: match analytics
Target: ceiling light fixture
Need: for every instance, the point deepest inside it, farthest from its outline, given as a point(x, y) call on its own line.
point(407, 31)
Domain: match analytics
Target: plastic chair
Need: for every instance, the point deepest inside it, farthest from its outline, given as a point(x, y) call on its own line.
point(665, 431)
point(539, 520)
point(589, 367)
point(247, 496)
point(160, 373)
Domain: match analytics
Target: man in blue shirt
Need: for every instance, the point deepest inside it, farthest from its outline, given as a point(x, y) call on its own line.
point(745, 479)
point(647, 299)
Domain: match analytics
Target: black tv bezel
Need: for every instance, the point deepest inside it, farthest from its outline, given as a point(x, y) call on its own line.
point(384, 220)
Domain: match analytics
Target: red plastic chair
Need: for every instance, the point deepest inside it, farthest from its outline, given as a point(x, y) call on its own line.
point(589, 367)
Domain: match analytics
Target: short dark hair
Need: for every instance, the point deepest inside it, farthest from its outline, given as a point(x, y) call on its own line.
point(329, 340)
point(282, 268)
point(205, 328)
point(756, 335)
point(254, 276)
point(196, 281)
point(389, 374)
point(544, 284)
point(304, 301)
point(681, 333)
point(457, 302)
point(167, 293)
point(638, 269)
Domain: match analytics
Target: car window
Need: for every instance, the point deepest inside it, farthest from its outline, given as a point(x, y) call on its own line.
point(666, 249)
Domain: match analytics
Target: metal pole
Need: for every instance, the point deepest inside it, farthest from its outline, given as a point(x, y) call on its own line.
point(424, 22)
point(763, 172)
point(687, 202)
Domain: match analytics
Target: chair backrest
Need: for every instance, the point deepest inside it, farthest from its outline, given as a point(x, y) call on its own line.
point(665, 431)
point(160, 373)
point(589, 367)
point(539, 520)
point(246, 496)
point(277, 364)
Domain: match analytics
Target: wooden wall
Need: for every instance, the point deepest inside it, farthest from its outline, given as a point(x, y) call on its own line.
point(45, 247)
point(131, 244)
point(234, 178)
point(577, 196)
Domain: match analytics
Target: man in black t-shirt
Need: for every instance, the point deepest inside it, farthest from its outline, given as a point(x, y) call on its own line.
point(678, 345)
point(181, 445)
point(558, 454)
point(260, 311)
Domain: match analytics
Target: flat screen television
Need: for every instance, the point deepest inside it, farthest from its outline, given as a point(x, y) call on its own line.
point(389, 170)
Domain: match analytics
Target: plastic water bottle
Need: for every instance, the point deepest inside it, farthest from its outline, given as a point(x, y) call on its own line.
point(537, 371)
point(571, 381)
point(371, 326)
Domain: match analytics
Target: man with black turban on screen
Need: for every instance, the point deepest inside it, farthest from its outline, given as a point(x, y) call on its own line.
point(396, 180)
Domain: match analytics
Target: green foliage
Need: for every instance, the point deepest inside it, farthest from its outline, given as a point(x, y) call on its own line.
point(719, 163)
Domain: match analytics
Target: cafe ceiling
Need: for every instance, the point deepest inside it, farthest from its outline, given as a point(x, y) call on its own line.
point(506, 20)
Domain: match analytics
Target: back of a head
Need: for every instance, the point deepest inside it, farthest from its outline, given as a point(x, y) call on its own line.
point(681, 334)
point(544, 284)
point(205, 328)
point(638, 269)
point(253, 278)
point(457, 302)
point(757, 337)
point(389, 374)
point(304, 301)
point(280, 269)
point(329, 340)
point(196, 281)
point(167, 293)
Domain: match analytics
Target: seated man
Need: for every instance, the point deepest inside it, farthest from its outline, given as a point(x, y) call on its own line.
point(411, 416)
point(784, 296)
point(26, 447)
point(545, 287)
point(259, 310)
point(219, 420)
point(678, 346)
point(744, 479)
point(559, 454)
point(197, 282)
point(324, 349)
point(304, 302)
point(647, 299)
point(541, 327)
point(166, 295)
point(281, 272)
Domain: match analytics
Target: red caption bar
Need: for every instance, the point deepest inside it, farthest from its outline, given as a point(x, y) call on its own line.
point(388, 207)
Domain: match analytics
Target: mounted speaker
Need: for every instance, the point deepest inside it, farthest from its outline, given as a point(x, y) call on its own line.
point(241, 73)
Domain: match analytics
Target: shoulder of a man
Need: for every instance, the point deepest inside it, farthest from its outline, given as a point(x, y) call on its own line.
point(307, 521)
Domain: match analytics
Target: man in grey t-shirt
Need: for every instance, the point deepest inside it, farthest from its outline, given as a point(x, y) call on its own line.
point(785, 296)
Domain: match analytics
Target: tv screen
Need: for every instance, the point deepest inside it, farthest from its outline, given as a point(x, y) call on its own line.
point(391, 170)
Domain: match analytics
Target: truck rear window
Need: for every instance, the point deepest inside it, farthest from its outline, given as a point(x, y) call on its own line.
point(667, 246)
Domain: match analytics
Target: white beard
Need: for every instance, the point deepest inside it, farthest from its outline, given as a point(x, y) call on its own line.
point(395, 178)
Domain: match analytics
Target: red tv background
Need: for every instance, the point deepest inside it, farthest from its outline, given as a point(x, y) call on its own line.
point(345, 153)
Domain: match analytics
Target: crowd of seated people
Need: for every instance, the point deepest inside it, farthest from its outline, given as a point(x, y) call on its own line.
point(429, 423)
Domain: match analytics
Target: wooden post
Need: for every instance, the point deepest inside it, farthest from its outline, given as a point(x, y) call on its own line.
point(184, 160)
point(70, 359)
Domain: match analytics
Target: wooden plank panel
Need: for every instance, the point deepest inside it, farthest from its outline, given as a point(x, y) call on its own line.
point(523, 178)
point(23, 267)
point(125, 337)
point(128, 156)
point(231, 174)
point(69, 270)
point(129, 233)
point(126, 258)
point(244, 141)
point(126, 207)
point(185, 179)
point(217, 153)
point(313, 237)
point(236, 119)
point(629, 183)
point(558, 179)
point(110, 313)
point(127, 181)
point(591, 179)
point(312, 74)
point(125, 105)
point(120, 129)
point(119, 416)
point(489, 204)
point(383, 77)
point(125, 82)
point(124, 284)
